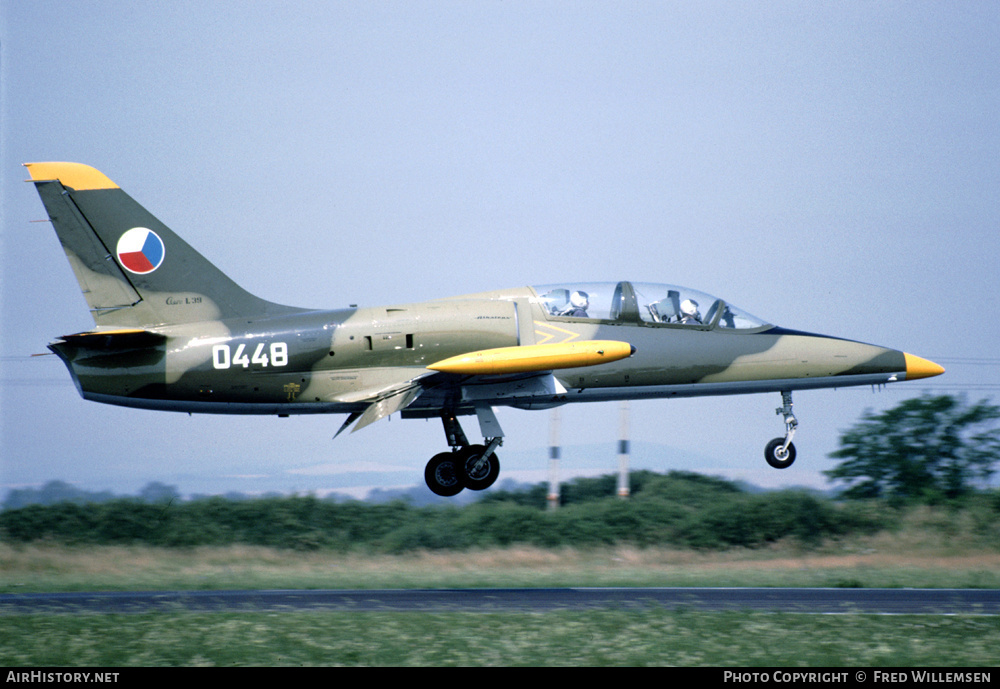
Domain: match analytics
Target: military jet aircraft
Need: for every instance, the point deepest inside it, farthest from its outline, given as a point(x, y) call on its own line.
point(172, 332)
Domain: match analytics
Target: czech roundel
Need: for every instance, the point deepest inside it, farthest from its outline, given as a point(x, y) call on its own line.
point(140, 250)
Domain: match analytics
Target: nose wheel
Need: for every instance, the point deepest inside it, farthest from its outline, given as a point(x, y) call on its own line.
point(780, 452)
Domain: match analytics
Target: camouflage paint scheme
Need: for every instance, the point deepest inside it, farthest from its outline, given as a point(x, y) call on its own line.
point(172, 332)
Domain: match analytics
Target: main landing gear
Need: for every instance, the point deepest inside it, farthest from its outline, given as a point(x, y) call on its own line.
point(780, 452)
point(475, 467)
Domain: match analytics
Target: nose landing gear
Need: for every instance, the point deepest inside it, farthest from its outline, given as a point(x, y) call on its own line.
point(780, 452)
point(475, 467)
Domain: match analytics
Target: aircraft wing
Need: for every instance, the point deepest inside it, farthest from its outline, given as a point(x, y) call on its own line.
point(386, 405)
point(478, 378)
point(384, 390)
point(525, 374)
point(438, 392)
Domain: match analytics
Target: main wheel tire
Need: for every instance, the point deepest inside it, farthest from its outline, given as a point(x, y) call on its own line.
point(475, 471)
point(778, 458)
point(442, 474)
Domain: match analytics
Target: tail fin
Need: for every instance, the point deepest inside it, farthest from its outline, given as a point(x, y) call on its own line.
point(133, 270)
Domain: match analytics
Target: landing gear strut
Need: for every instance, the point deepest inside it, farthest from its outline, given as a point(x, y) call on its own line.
point(475, 467)
point(780, 452)
point(478, 466)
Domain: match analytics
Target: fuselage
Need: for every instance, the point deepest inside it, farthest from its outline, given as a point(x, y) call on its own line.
point(338, 361)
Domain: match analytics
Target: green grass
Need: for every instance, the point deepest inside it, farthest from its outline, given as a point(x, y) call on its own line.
point(558, 638)
point(595, 638)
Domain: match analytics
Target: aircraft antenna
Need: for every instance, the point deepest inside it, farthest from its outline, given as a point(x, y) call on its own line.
point(553, 496)
point(623, 451)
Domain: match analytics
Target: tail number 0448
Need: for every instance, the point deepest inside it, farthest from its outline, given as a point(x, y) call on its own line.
point(224, 357)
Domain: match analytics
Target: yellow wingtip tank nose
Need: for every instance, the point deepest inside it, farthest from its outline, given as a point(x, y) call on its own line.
point(921, 368)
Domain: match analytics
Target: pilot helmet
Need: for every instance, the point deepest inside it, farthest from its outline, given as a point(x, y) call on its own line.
point(578, 299)
point(689, 307)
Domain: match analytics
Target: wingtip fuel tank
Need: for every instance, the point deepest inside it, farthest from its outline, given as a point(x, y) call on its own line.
point(539, 357)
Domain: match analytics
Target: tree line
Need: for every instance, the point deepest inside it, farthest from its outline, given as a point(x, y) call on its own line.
point(926, 450)
point(677, 509)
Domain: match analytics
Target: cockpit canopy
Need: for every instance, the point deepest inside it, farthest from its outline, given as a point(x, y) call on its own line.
point(640, 302)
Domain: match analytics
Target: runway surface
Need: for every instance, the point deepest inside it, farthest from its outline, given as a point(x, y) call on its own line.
point(797, 600)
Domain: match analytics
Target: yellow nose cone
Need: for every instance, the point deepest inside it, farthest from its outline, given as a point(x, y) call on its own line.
point(921, 368)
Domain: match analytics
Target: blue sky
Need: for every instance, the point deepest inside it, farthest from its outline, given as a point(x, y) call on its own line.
point(831, 168)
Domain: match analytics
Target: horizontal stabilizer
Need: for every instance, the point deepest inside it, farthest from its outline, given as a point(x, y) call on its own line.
point(121, 338)
point(542, 357)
